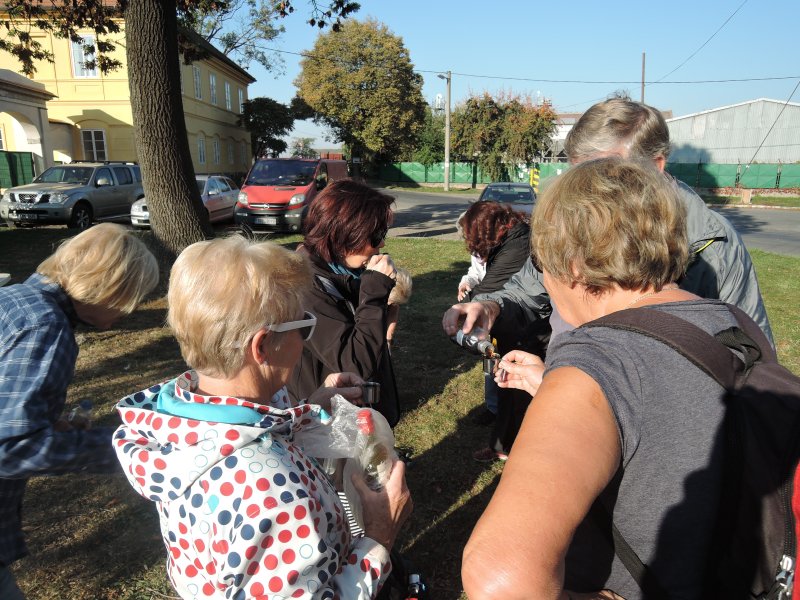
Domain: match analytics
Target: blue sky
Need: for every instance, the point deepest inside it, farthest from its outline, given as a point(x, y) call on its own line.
point(510, 41)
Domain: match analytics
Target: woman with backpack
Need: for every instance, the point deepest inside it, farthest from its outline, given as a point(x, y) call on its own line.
point(623, 429)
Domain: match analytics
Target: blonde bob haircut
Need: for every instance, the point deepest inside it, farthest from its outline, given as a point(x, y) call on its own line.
point(608, 222)
point(106, 266)
point(222, 291)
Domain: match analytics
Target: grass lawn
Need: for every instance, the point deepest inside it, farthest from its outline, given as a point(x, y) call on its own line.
point(777, 201)
point(93, 538)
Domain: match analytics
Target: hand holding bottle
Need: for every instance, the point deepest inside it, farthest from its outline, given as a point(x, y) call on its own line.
point(385, 511)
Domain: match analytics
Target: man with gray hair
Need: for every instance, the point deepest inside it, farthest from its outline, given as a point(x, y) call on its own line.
point(720, 266)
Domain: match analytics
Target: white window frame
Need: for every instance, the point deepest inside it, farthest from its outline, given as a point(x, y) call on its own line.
point(198, 83)
point(227, 95)
point(3, 140)
point(212, 82)
point(201, 150)
point(93, 154)
point(215, 146)
point(79, 70)
point(231, 158)
point(241, 101)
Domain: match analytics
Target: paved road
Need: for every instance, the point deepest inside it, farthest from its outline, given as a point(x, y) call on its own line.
point(421, 214)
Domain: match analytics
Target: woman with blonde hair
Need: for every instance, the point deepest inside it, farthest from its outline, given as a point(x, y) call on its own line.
point(620, 421)
point(245, 513)
point(96, 278)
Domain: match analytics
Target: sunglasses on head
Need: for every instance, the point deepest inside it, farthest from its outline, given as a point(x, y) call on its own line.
point(306, 326)
point(377, 237)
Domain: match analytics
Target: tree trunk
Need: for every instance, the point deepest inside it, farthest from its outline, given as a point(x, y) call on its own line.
point(177, 215)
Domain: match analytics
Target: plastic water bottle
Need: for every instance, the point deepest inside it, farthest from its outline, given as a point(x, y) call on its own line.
point(80, 417)
point(376, 458)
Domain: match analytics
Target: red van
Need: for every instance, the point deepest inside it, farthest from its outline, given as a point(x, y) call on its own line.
point(277, 191)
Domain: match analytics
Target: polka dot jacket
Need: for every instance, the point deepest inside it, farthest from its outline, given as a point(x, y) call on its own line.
point(244, 513)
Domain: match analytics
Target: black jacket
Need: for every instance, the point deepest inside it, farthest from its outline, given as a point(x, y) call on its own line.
point(350, 334)
point(506, 259)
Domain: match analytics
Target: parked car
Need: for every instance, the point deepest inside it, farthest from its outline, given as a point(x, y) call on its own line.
point(76, 194)
point(219, 196)
point(277, 191)
point(520, 195)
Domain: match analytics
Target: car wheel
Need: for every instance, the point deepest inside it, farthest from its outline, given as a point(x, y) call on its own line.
point(81, 218)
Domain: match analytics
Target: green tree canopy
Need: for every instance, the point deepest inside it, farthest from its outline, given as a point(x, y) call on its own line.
point(510, 129)
point(267, 121)
point(302, 147)
point(430, 149)
point(360, 82)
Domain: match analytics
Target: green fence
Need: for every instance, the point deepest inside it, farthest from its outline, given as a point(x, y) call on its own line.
point(16, 168)
point(703, 175)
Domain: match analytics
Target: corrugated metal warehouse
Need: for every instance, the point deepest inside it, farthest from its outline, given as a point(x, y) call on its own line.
point(732, 134)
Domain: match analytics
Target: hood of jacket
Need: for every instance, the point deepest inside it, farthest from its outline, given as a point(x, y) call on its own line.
point(163, 453)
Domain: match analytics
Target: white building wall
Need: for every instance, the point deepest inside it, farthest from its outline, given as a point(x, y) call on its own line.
point(732, 134)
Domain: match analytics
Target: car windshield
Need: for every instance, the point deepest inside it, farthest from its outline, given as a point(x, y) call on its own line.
point(201, 185)
point(281, 172)
point(79, 175)
point(508, 193)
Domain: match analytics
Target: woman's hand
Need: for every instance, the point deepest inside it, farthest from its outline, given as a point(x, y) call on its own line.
point(463, 290)
point(347, 385)
point(385, 511)
point(466, 316)
point(520, 370)
point(382, 263)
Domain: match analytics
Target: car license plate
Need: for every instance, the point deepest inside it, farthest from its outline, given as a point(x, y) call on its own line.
point(266, 220)
point(24, 216)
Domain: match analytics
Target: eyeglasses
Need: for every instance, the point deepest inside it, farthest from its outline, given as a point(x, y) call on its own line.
point(377, 237)
point(305, 325)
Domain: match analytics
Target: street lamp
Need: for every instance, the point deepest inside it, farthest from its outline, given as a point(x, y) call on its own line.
point(446, 77)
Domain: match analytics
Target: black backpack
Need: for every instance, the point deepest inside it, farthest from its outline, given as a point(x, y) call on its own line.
point(754, 537)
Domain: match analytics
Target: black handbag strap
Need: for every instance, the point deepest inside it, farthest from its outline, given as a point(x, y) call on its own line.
point(711, 354)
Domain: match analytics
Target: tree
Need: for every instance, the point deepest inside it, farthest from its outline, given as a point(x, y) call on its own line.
point(360, 82)
point(430, 149)
point(152, 51)
point(267, 121)
point(239, 30)
point(497, 132)
point(302, 147)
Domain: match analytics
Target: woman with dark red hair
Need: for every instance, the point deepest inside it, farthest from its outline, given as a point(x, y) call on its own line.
point(500, 237)
point(345, 229)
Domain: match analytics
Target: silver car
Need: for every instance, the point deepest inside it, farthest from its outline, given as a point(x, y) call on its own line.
point(520, 196)
point(76, 194)
point(219, 196)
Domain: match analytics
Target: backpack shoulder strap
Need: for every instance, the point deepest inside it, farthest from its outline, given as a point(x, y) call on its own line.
point(701, 348)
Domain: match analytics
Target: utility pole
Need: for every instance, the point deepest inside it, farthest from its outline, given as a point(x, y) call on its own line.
point(446, 77)
point(642, 77)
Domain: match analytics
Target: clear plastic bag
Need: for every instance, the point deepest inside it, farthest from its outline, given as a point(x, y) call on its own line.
point(339, 448)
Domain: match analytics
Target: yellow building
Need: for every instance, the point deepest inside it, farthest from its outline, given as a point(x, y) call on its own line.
point(90, 114)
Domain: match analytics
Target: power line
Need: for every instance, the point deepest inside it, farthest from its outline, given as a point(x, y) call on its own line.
point(785, 104)
point(692, 55)
point(508, 78)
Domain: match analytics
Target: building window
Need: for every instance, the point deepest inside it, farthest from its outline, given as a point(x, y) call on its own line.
point(83, 52)
point(227, 95)
point(241, 101)
point(3, 141)
point(201, 150)
point(215, 145)
point(198, 84)
point(212, 81)
point(230, 152)
point(94, 144)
